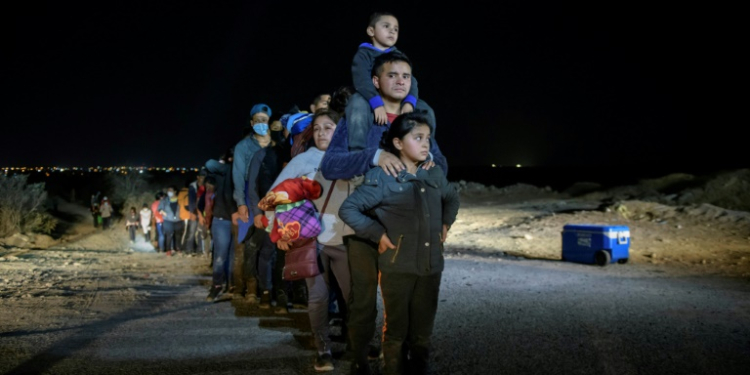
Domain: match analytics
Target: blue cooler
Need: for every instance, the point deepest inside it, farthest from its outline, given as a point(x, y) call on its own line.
point(595, 244)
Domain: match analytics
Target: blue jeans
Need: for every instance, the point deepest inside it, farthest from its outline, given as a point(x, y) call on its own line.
point(221, 230)
point(160, 235)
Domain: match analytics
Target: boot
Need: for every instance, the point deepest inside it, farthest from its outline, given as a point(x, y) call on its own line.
point(251, 294)
point(299, 297)
point(281, 303)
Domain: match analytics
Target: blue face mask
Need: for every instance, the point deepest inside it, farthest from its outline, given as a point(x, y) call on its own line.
point(260, 129)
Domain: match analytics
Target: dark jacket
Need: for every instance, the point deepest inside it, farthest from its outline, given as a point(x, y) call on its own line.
point(193, 197)
point(224, 204)
point(340, 163)
point(411, 210)
point(265, 166)
point(172, 211)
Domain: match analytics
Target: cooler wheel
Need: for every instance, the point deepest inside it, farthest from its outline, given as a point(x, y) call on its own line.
point(622, 261)
point(602, 257)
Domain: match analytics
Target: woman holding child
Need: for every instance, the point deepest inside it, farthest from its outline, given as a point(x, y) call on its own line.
point(330, 241)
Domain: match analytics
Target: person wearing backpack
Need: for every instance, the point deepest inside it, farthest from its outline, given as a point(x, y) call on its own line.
point(183, 199)
point(194, 191)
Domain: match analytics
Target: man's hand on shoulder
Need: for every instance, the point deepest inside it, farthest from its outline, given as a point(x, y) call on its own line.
point(381, 117)
point(390, 163)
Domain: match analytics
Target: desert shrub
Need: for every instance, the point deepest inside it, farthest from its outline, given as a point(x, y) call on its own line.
point(22, 206)
point(128, 190)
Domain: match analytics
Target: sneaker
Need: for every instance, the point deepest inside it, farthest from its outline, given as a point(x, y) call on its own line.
point(265, 300)
point(214, 293)
point(324, 363)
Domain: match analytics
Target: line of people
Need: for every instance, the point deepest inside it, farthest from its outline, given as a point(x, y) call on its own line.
point(388, 214)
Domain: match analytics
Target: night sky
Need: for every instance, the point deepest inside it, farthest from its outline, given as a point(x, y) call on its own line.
point(164, 83)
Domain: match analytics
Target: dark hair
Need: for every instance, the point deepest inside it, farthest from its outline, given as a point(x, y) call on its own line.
point(375, 16)
point(400, 127)
point(294, 109)
point(132, 208)
point(319, 98)
point(388, 57)
point(333, 115)
point(228, 154)
point(340, 98)
point(145, 205)
point(159, 195)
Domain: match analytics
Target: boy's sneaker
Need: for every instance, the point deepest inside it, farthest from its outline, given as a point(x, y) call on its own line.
point(214, 293)
point(265, 300)
point(324, 363)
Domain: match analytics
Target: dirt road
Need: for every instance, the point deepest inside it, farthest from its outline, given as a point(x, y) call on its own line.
point(95, 304)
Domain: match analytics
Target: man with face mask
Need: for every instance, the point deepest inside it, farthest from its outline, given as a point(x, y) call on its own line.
point(265, 165)
point(170, 211)
point(245, 264)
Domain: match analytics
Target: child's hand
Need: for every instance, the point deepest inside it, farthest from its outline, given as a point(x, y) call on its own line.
point(407, 108)
point(385, 244)
point(283, 245)
point(381, 117)
point(445, 233)
point(258, 221)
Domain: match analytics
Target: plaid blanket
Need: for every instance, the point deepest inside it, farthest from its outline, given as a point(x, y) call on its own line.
point(293, 221)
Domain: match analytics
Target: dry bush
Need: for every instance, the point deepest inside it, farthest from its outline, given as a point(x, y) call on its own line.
point(22, 207)
point(128, 190)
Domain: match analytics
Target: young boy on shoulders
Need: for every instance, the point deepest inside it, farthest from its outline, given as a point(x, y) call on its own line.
point(365, 107)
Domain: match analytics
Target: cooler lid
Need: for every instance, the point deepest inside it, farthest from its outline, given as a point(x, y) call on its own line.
point(597, 228)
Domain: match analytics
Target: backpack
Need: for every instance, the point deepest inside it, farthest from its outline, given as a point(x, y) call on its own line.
point(184, 202)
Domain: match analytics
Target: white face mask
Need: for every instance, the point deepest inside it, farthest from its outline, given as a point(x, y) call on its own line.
point(170, 194)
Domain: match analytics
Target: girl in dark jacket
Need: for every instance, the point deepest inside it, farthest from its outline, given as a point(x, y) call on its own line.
point(412, 214)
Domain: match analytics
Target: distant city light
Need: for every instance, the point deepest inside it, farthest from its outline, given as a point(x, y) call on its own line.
point(98, 169)
point(518, 165)
point(494, 166)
